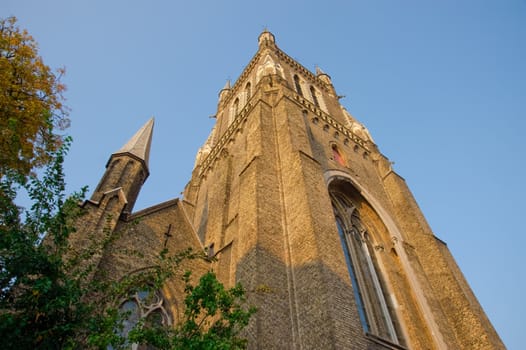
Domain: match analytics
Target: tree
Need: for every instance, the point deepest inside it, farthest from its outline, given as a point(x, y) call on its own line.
point(40, 304)
point(31, 102)
point(45, 303)
point(46, 300)
point(213, 319)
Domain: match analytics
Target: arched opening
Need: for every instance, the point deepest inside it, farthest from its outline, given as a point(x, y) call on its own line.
point(146, 306)
point(357, 236)
point(297, 84)
point(314, 97)
point(248, 91)
point(235, 108)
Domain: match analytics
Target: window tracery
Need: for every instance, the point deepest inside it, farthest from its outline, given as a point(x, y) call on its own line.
point(143, 305)
point(374, 307)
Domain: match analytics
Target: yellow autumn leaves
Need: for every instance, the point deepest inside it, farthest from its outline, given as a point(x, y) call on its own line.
point(31, 102)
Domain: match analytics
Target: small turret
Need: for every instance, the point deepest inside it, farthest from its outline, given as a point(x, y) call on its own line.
point(323, 76)
point(127, 168)
point(266, 37)
point(326, 79)
point(225, 91)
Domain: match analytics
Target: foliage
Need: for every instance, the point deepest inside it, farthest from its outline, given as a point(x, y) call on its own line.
point(40, 304)
point(214, 316)
point(213, 319)
point(48, 300)
point(31, 102)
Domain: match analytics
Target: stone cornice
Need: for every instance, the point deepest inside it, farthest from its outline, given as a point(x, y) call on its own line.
point(153, 209)
point(306, 73)
point(232, 128)
point(330, 121)
point(133, 156)
point(117, 190)
point(241, 117)
point(272, 47)
point(250, 66)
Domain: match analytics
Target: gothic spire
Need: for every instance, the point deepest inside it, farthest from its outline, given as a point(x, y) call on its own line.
point(139, 144)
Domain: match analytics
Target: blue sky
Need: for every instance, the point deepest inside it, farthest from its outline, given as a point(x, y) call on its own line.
point(441, 85)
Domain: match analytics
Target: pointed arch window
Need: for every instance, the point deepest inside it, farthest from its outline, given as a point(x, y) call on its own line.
point(373, 304)
point(143, 305)
point(235, 108)
point(314, 97)
point(297, 85)
point(248, 91)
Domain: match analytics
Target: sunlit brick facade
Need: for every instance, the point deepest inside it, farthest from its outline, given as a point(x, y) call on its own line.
point(292, 196)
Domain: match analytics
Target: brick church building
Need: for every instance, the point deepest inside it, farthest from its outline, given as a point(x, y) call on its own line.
point(294, 199)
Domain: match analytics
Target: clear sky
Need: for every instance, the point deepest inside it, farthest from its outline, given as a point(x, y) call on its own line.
point(441, 86)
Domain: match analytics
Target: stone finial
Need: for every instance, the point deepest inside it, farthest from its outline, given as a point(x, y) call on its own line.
point(266, 36)
point(139, 144)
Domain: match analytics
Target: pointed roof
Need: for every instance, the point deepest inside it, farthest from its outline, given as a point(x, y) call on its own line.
point(139, 144)
point(225, 89)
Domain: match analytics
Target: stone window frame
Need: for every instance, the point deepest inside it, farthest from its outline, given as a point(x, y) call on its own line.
point(371, 296)
point(138, 301)
point(248, 91)
point(297, 84)
point(314, 95)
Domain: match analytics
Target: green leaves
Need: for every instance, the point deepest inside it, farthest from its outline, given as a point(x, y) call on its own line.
point(48, 298)
point(45, 302)
point(213, 317)
point(40, 304)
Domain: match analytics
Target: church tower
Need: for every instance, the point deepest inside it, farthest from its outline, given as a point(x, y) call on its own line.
point(303, 209)
point(292, 196)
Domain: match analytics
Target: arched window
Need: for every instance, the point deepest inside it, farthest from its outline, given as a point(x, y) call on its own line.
point(314, 97)
point(143, 305)
point(374, 307)
point(235, 108)
point(298, 85)
point(248, 91)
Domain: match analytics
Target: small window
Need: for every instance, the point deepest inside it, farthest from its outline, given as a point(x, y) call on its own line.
point(143, 305)
point(314, 97)
point(236, 107)
point(298, 85)
point(248, 91)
